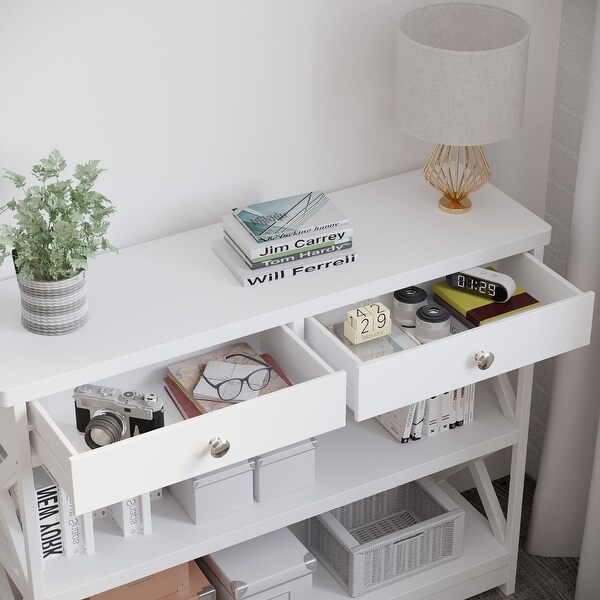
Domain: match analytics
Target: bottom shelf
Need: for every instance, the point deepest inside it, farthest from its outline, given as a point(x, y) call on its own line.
point(482, 566)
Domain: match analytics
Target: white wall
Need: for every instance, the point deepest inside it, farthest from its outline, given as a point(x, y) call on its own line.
point(195, 106)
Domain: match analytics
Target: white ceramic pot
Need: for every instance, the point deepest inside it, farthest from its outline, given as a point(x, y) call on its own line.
point(54, 307)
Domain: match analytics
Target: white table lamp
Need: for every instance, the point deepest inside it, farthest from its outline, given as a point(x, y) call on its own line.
point(461, 84)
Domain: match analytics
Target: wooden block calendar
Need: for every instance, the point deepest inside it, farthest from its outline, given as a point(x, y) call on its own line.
point(367, 322)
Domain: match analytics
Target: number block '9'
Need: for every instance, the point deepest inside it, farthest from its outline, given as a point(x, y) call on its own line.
point(367, 323)
point(381, 317)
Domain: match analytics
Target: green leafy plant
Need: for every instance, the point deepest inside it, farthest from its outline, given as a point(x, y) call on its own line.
point(58, 224)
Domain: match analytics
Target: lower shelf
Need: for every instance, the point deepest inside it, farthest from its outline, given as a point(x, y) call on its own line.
point(351, 463)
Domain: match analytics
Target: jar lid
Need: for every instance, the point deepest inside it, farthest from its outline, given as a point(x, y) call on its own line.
point(411, 295)
point(433, 314)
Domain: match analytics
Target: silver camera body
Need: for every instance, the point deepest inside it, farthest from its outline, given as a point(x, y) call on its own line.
point(105, 414)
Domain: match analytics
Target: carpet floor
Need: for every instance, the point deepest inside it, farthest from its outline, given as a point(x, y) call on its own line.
point(538, 577)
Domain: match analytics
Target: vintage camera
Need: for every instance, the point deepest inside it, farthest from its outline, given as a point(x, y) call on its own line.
point(106, 415)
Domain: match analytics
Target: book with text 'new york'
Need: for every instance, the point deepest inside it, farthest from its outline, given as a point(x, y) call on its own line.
point(290, 216)
point(47, 511)
point(248, 277)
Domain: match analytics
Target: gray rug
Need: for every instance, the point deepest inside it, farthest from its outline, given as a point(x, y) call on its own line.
point(538, 577)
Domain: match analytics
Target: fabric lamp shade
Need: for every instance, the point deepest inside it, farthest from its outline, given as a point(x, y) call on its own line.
point(461, 73)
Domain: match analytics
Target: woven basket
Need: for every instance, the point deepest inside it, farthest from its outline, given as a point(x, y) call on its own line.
point(54, 307)
point(387, 537)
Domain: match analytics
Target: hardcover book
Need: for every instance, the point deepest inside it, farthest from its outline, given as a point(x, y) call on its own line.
point(248, 277)
point(48, 511)
point(431, 420)
point(78, 530)
point(132, 516)
point(479, 310)
point(399, 422)
point(293, 215)
point(416, 431)
point(288, 257)
point(257, 251)
point(186, 407)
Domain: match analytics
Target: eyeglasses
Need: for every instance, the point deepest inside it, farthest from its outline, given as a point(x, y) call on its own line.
point(256, 381)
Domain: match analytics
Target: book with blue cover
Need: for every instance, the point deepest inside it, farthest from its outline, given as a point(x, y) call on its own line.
point(294, 215)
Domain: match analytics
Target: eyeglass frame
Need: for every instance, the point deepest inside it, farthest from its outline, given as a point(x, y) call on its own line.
point(243, 380)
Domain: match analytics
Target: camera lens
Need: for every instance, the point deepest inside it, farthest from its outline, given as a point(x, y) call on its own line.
point(103, 429)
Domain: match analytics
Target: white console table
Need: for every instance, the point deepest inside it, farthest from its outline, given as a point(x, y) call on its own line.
point(160, 301)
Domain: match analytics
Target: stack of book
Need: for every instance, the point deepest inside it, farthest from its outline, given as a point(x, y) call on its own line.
point(429, 417)
point(283, 238)
point(181, 382)
point(64, 533)
point(471, 310)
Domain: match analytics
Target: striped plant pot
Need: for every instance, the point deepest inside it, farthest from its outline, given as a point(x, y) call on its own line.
point(54, 307)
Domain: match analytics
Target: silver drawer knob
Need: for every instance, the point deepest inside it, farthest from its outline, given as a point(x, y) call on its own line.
point(219, 447)
point(484, 360)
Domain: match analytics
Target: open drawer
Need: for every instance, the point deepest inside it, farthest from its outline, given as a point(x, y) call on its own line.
point(561, 322)
point(313, 405)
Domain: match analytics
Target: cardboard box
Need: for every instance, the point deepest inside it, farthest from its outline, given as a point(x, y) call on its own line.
point(273, 566)
point(199, 589)
point(161, 584)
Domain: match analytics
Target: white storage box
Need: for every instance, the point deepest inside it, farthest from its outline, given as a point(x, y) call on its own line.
point(285, 470)
point(216, 494)
point(270, 567)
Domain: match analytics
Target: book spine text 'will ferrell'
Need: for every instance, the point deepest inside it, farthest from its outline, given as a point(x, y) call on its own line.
point(299, 270)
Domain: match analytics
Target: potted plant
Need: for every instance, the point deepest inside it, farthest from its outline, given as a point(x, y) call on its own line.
point(58, 225)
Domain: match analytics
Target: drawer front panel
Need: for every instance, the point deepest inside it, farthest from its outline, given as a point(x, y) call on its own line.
point(560, 324)
point(96, 478)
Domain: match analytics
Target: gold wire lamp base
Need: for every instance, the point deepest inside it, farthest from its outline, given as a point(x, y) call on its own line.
point(457, 172)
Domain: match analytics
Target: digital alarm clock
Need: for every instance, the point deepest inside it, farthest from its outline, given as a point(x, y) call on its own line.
point(483, 282)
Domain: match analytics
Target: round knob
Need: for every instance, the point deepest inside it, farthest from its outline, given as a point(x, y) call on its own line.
point(219, 447)
point(484, 360)
point(151, 399)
